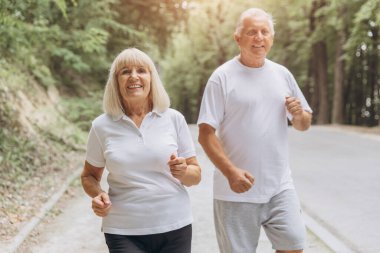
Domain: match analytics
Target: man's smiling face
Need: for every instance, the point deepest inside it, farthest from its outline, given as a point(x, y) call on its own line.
point(256, 38)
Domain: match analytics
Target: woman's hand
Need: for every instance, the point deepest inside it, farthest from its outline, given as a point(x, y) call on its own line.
point(187, 171)
point(178, 166)
point(101, 204)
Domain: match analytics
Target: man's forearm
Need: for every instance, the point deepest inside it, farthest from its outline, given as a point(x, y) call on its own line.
point(213, 148)
point(302, 122)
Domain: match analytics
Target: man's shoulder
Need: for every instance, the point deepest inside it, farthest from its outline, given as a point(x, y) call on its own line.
point(227, 65)
point(276, 65)
point(227, 68)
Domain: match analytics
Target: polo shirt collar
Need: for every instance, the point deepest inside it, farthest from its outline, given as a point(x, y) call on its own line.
point(156, 112)
point(119, 117)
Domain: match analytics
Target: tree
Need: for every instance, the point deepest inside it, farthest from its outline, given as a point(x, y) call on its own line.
point(201, 44)
point(319, 56)
point(156, 19)
point(362, 54)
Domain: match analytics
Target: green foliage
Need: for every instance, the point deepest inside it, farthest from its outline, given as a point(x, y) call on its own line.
point(366, 19)
point(68, 59)
point(204, 42)
point(16, 152)
point(61, 4)
point(198, 47)
point(157, 19)
point(19, 157)
point(59, 40)
point(42, 73)
point(81, 111)
point(292, 40)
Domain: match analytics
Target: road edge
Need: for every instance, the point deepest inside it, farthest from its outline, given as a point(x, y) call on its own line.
point(331, 241)
point(17, 240)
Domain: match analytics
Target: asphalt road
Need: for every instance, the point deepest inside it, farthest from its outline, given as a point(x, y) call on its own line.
point(336, 175)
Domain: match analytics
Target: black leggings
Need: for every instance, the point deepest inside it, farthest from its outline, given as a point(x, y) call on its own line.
point(176, 241)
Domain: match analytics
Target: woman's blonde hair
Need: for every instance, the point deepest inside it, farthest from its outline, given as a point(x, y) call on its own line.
point(112, 103)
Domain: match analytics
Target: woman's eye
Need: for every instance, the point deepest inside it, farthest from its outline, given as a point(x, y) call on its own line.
point(142, 70)
point(125, 72)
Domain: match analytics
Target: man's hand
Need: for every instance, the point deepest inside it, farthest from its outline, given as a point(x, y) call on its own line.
point(101, 204)
point(240, 180)
point(301, 118)
point(294, 106)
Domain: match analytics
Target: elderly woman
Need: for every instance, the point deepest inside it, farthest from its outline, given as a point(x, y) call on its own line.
point(149, 154)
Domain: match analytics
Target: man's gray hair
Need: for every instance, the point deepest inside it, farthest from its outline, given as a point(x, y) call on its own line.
point(254, 12)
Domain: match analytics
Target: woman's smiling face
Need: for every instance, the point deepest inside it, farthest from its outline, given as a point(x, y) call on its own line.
point(134, 83)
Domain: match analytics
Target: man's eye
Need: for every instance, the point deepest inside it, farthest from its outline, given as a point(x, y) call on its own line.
point(251, 33)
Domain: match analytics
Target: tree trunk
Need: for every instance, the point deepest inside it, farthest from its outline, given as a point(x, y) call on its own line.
point(315, 90)
point(337, 111)
point(359, 91)
point(372, 78)
point(319, 68)
point(320, 52)
point(308, 84)
point(348, 96)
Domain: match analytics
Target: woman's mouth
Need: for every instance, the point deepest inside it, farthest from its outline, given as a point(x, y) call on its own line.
point(134, 86)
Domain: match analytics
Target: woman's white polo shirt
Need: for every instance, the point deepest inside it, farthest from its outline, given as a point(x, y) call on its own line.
point(146, 198)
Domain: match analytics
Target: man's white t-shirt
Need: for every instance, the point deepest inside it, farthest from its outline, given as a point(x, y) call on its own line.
point(146, 198)
point(247, 108)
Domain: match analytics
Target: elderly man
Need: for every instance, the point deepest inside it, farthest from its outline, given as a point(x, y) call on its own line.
point(247, 101)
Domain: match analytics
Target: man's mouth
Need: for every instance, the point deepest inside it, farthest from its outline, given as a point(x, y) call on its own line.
point(257, 46)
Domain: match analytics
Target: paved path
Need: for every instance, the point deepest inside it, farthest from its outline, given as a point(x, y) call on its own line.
point(204, 235)
point(337, 175)
point(77, 229)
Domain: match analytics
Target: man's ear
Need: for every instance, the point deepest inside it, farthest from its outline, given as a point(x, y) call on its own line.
point(236, 38)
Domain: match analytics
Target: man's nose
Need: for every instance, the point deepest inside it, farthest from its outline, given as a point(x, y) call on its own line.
point(259, 36)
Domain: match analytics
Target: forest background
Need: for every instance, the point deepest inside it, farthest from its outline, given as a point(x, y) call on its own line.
point(55, 56)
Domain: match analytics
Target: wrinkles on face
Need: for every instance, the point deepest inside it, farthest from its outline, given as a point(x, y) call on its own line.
point(255, 39)
point(134, 82)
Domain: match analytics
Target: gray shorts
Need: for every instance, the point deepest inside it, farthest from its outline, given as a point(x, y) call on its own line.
point(238, 224)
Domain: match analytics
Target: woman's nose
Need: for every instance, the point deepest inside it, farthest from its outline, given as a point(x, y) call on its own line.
point(133, 73)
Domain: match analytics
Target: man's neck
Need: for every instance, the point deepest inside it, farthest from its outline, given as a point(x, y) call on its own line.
point(251, 62)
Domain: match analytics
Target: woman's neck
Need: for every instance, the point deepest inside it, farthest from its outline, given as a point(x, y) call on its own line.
point(137, 111)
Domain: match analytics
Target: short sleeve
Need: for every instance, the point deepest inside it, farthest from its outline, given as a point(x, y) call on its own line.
point(297, 93)
point(94, 152)
point(212, 106)
point(185, 142)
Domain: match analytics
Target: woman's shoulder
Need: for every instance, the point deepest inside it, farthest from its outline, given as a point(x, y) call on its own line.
point(174, 115)
point(102, 119)
point(172, 112)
